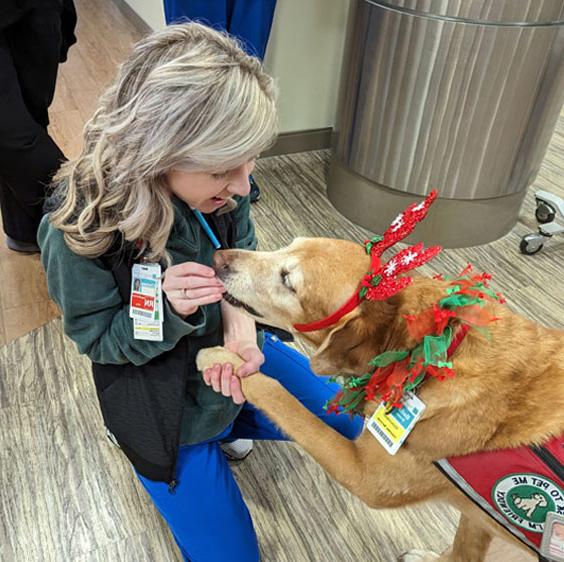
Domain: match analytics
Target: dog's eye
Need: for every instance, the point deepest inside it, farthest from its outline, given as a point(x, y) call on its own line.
point(285, 277)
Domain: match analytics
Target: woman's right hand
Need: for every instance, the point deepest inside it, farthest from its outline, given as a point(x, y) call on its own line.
point(189, 285)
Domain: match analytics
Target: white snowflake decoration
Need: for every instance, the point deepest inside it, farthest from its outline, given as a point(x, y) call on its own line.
point(419, 207)
point(390, 267)
point(397, 223)
point(408, 258)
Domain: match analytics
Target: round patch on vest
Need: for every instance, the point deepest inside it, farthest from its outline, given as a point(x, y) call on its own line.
point(526, 499)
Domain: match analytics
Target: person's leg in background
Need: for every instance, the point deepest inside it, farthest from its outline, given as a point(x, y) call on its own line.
point(292, 369)
point(30, 50)
point(248, 20)
point(206, 512)
point(251, 21)
point(210, 12)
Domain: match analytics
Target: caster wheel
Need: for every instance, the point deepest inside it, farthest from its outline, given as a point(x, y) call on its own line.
point(531, 244)
point(544, 213)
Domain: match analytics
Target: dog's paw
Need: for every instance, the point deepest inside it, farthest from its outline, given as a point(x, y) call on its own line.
point(419, 556)
point(211, 356)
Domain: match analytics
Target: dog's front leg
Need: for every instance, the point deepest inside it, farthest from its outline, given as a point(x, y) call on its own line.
point(361, 466)
point(337, 455)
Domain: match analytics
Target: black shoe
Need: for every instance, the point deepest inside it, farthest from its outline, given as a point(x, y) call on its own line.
point(22, 247)
point(255, 190)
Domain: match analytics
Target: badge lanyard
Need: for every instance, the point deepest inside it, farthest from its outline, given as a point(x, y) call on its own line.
point(207, 229)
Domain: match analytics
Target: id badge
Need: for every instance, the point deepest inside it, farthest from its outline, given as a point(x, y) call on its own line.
point(145, 288)
point(146, 305)
point(392, 428)
point(552, 546)
point(151, 330)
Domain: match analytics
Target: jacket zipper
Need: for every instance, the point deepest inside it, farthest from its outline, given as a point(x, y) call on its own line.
point(172, 486)
point(550, 460)
point(173, 482)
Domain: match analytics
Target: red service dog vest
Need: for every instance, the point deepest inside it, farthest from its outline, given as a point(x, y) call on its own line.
point(517, 487)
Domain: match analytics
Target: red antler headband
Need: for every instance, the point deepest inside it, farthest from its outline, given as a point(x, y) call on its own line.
point(382, 281)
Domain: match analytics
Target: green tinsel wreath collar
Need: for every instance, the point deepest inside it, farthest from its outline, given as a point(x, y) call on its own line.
point(398, 371)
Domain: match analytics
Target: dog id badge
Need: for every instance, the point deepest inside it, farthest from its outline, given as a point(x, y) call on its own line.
point(145, 279)
point(391, 429)
point(552, 546)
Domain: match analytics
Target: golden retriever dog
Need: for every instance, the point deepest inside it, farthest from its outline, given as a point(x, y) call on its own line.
point(506, 392)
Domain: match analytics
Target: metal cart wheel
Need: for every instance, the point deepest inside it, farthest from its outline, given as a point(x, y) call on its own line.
point(531, 244)
point(544, 213)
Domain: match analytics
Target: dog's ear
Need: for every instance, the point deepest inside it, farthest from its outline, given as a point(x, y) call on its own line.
point(361, 335)
point(347, 348)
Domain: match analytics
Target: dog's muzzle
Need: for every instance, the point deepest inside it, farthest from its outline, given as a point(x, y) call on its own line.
point(238, 304)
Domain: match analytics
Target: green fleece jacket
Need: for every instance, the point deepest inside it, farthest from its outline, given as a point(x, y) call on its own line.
point(97, 320)
point(95, 317)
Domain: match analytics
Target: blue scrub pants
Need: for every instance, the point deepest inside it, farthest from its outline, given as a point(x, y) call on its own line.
point(248, 20)
point(207, 514)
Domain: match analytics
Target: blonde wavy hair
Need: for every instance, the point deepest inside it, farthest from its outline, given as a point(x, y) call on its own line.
point(187, 97)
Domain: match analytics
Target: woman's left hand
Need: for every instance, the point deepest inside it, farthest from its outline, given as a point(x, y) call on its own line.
point(222, 378)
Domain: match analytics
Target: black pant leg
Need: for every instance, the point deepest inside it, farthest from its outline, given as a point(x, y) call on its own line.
point(28, 156)
point(35, 43)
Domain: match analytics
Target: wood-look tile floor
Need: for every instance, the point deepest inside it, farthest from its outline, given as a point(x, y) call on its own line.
point(67, 495)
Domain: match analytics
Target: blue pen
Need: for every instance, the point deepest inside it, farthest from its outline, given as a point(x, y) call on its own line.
point(207, 228)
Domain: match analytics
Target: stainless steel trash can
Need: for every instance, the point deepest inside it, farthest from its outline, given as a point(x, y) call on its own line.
point(457, 95)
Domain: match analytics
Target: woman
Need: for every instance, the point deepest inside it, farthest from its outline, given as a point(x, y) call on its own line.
point(163, 174)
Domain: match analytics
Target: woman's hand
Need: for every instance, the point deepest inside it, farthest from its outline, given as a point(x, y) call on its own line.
point(190, 285)
point(250, 352)
point(222, 378)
